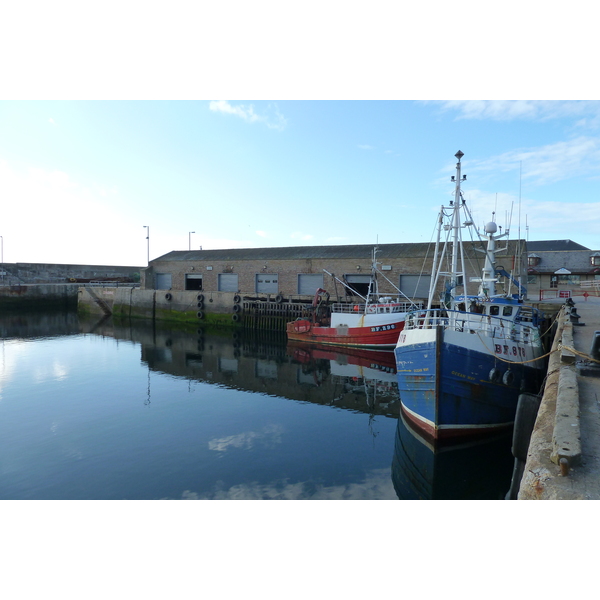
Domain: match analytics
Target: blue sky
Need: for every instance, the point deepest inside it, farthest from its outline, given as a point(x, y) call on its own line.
point(79, 180)
point(259, 124)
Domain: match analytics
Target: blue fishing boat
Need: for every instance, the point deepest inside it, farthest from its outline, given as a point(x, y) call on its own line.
point(463, 361)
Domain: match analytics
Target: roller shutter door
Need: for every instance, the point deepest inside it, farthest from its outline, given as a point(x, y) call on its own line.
point(228, 282)
point(415, 286)
point(267, 283)
point(163, 281)
point(309, 284)
point(359, 283)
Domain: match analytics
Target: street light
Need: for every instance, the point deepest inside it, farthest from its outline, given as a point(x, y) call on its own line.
point(148, 238)
point(190, 239)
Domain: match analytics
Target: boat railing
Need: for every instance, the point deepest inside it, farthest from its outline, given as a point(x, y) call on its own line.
point(377, 308)
point(475, 323)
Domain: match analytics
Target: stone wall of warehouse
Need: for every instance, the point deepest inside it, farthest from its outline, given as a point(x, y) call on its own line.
point(287, 272)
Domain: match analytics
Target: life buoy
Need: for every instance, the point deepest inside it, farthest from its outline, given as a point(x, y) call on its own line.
point(168, 296)
point(236, 298)
point(200, 315)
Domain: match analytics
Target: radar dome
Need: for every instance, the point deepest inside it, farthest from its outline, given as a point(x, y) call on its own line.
point(491, 227)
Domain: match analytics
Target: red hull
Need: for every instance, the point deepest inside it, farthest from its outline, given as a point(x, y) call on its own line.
point(385, 336)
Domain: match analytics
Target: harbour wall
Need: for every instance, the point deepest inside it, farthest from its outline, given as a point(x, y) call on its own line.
point(37, 273)
point(38, 297)
point(562, 461)
point(228, 308)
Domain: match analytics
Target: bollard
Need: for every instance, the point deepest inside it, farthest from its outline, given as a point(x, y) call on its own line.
point(595, 350)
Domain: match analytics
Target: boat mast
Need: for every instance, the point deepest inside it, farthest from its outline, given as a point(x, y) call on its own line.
point(456, 235)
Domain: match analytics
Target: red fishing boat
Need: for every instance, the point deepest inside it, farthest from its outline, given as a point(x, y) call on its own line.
point(376, 322)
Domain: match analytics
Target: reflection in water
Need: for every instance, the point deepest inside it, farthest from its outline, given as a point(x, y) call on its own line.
point(477, 470)
point(136, 410)
point(106, 409)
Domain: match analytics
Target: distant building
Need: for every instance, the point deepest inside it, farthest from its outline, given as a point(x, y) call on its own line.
point(556, 266)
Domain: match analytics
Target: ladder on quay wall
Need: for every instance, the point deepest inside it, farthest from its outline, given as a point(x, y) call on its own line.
point(101, 303)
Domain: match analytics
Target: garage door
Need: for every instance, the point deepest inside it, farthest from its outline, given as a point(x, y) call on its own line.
point(415, 286)
point(193, 281)
point(163, 281)
point(359, 283)
point(228, 282)
point(309, 284)
point(267, 283)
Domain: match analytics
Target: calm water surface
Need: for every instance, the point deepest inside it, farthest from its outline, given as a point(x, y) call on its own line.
point(128, 410)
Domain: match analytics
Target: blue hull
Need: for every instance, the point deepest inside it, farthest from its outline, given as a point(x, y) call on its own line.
point(447, 392)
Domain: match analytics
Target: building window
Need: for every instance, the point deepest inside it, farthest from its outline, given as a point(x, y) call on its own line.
point(595, 259)
point(569, 279)
point(532, 279)
point(533, 260)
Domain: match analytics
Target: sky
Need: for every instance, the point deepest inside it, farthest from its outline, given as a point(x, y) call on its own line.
point(84, 181)
point(256, 125)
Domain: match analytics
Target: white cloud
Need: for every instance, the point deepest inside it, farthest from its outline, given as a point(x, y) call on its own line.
point(273, 119)
point(505, 110)
point(262, 234)
point(365, 147)
point(578, 157)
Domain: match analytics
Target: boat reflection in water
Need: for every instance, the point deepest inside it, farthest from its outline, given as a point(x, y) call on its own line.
point(426, 470)
point(358, 371)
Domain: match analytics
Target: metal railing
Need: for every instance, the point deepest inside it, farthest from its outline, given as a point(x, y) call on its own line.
point(384, 308)
point(487, 325)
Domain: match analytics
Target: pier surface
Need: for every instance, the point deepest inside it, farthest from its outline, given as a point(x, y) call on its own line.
point(563, 460)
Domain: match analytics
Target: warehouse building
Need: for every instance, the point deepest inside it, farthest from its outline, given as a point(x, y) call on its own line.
point(299, 271)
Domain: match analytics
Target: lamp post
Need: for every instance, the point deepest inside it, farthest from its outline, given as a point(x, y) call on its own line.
point(190, 239)
point(147, 227)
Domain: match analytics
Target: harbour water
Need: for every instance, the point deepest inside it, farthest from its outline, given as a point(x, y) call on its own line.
point(137, 410)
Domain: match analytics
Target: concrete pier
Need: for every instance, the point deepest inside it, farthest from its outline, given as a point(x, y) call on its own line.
point(563, 460)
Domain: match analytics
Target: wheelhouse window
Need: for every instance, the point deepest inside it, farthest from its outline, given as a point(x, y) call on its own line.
point(507, 311)
point(494, 310)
